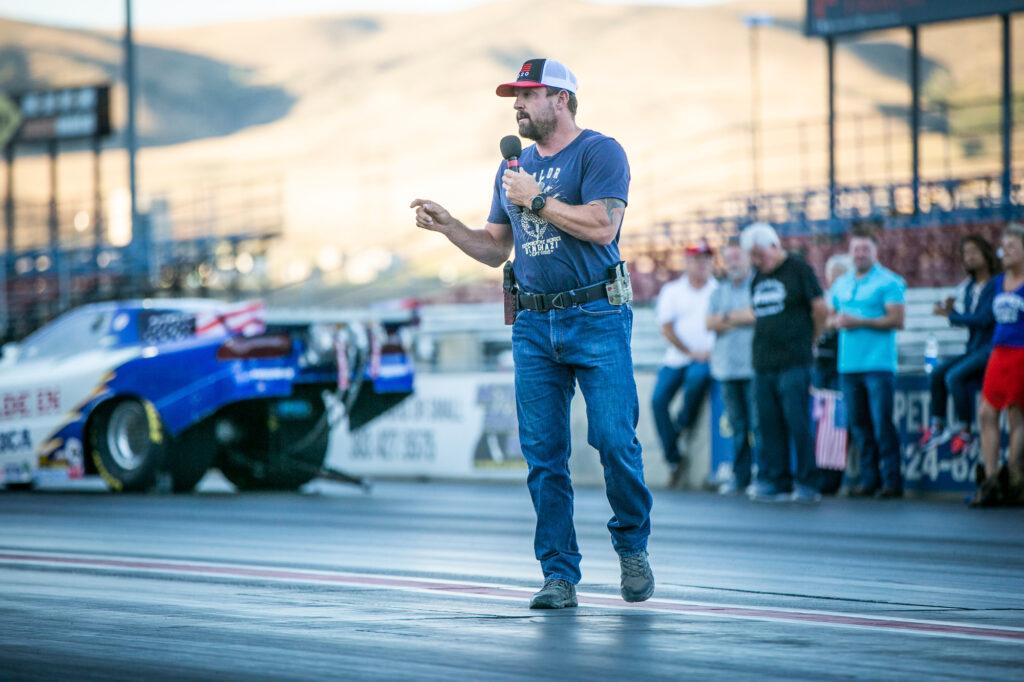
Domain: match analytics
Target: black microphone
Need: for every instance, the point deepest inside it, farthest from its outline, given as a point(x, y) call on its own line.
point(511, 147)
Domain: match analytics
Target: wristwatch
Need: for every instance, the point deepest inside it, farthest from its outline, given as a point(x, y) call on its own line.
point(538, 203)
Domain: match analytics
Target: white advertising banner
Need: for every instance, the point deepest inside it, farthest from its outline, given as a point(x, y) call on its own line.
point(453, 426)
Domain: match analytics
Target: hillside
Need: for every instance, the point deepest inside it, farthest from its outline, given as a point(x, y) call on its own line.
point(204, 98)
point(359, 114)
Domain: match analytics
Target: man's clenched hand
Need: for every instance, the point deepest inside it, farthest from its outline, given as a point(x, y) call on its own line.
point(520, 188)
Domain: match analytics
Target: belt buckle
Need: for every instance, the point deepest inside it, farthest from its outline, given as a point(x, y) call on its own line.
point(555, 301)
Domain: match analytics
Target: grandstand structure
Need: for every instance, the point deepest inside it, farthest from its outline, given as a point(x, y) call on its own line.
point(194, 241)
point(211, 238)
point(198, 239)
point(919, 220)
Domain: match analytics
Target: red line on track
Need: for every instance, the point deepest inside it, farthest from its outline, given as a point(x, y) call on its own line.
point(867, 622)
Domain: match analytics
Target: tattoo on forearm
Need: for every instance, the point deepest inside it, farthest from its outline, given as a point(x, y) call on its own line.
point(609, 206)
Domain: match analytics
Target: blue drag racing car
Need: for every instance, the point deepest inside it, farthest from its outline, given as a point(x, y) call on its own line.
point(144, 393)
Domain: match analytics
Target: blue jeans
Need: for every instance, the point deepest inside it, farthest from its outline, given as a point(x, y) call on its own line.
point(695, 380)
point(589, 344)
point(783, 402)
point(869, 398)
point(825, 378)
point(959, 377)
point(738, 396)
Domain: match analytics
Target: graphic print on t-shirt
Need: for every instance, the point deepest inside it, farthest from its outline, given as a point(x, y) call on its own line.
point(547, 259)
point(1008, 307)
point(769, 298)
point(541, 238)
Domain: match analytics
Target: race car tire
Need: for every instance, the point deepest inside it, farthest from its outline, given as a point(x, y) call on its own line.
point(192, 454)
point(23, 486)
point(278, 453)
point(127, 444)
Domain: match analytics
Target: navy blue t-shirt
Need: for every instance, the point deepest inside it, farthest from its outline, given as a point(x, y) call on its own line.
point(548, 260)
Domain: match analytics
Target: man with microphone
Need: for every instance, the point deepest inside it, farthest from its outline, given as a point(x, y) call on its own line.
point(561, 211)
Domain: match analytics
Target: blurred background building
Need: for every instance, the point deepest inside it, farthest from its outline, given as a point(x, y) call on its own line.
point(279, 148)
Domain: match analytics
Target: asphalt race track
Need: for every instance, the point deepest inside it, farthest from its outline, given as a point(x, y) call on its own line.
point(430, 582)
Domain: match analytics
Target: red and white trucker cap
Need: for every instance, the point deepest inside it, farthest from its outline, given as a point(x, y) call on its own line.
point(538, 73)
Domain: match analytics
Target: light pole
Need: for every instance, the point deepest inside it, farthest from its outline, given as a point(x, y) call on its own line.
point(754, 22)
point(129, 79)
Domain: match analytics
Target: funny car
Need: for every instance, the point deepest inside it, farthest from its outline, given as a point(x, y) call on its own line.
point(156, 392)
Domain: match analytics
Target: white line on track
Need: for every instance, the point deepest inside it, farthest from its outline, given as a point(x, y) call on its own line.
point(171, 567)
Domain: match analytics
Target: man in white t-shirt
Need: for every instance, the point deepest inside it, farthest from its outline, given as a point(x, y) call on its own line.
point(682, 312)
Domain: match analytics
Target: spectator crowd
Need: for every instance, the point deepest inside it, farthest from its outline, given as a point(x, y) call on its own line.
point(808, 375)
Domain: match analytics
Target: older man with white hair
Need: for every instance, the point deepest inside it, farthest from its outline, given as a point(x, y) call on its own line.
point(790, 313)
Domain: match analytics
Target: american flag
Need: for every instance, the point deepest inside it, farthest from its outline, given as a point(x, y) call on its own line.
point(341, 352)
point(375, 352)
point(247, 318)
point(830, 441)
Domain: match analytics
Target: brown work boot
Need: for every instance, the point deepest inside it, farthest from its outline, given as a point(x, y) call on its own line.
point(1012, 485)
point(677, 476)
point(989, 492)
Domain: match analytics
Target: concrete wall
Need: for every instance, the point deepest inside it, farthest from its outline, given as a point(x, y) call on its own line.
point(586, 465)
point(462, 425)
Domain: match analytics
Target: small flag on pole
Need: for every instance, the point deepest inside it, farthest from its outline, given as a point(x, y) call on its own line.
point(830, 440)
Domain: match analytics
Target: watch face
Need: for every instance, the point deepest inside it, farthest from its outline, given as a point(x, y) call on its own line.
point(538, 203)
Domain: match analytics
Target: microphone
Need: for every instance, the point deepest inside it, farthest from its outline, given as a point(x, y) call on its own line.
point(511, 147)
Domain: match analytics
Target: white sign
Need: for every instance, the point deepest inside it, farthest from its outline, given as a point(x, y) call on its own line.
point(454, 426)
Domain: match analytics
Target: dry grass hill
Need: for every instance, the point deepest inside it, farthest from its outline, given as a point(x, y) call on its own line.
point(357, 115)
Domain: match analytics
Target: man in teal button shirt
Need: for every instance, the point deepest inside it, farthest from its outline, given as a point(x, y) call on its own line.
point(868, 305)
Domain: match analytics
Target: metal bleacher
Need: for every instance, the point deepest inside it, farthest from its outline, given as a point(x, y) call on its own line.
point(480, 337)
point(920, 323)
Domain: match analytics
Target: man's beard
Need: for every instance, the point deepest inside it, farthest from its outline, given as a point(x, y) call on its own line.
point(536, 130)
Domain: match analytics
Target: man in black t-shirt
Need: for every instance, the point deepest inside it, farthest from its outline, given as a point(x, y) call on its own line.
point(790, 313)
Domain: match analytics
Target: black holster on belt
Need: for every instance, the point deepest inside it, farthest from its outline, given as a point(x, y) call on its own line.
point(619, 287)
point(511, 292)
